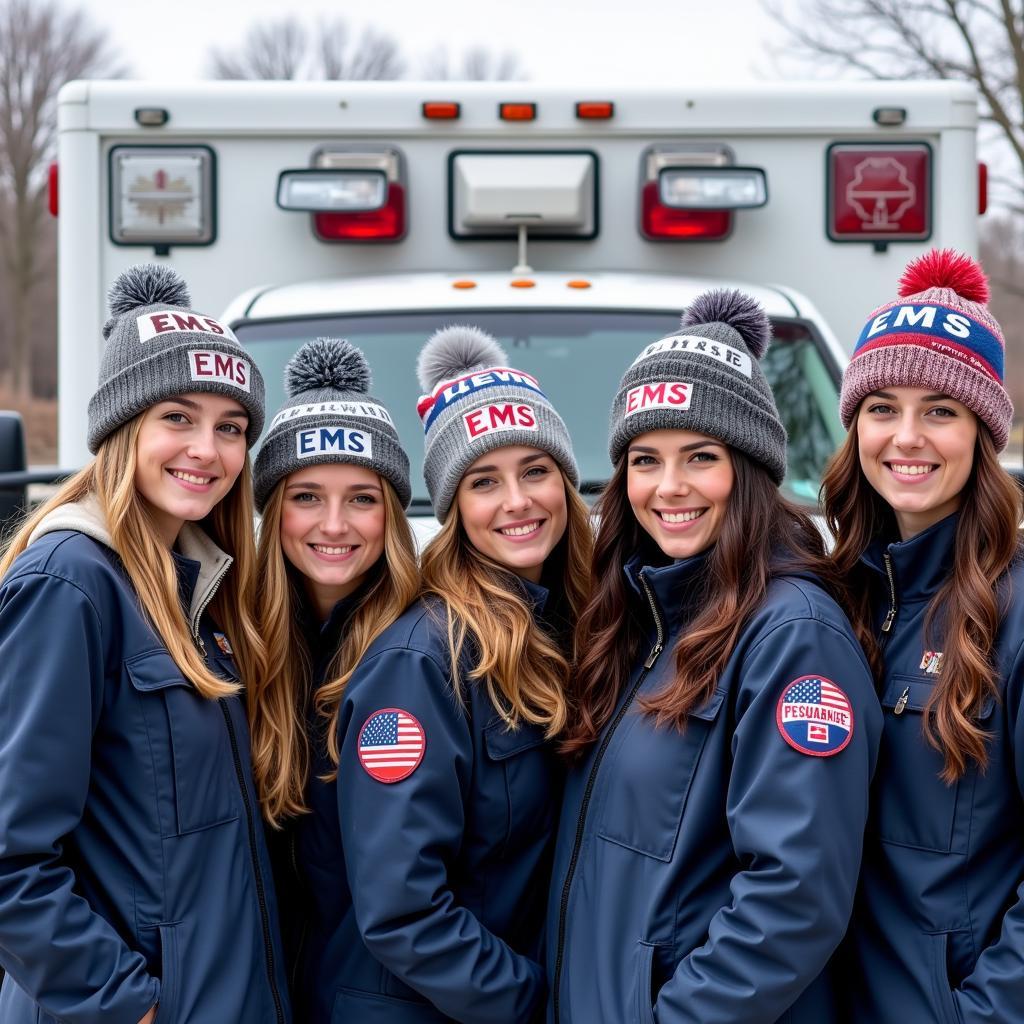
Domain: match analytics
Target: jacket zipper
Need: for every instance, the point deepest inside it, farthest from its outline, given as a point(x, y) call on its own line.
point(589, 790)
point(891, 615)
point(261, 894)
point(198, 614)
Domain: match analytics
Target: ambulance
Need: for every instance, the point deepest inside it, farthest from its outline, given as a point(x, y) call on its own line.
point(573, 223)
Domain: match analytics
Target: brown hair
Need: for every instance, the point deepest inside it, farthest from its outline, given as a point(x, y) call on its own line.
point(524, 668)
point(110, 477)
point(987, 541)
point(280, 744)
point(762, 536)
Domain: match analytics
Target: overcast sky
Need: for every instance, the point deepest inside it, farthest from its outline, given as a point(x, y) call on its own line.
point(596, 41)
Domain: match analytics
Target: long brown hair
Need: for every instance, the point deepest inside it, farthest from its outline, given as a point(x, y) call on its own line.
point(280, 744)
point(963, 617)
point(110, 477)
point(762, 536)
point(524, 668)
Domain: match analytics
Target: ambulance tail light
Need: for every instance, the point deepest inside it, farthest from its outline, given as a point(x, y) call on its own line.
point(659, 221)
point(52, 189)
point(384, 223)
point(982, 187)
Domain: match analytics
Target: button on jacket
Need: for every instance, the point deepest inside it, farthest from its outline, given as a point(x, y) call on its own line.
point(706, 877)
point(938, 933)
point(132, 865)
point(448, 867)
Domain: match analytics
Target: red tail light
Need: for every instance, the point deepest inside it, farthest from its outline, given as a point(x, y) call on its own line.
point(659, 221)
point(436, 111)
point(587, 111)
point(982, 188)
point(52, 188)
point(384, 225)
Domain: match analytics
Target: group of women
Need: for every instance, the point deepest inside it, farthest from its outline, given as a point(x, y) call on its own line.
point(678, 762)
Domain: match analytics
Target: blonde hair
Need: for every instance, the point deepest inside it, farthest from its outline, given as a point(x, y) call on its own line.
point(280, 744)
point(522, 666)
point(110, 478)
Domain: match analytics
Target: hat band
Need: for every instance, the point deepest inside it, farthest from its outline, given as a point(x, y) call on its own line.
point(431, 406)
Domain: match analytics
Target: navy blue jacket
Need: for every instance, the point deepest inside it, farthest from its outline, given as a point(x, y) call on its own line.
point(132, 866)
point(705, 877)
point(938, 933)
point(447, 869)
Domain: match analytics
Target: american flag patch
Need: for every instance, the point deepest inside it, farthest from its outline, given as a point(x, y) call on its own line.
point(814, 716)
point(391, 745)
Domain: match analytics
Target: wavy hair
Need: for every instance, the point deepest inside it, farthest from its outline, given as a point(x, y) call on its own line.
point(963, 617)
point(281, 746)
point(524, 667)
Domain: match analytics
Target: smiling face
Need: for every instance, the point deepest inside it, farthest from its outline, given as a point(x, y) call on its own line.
point(190, 451)
point(678, 483)
point(332, 529)
point(512, 506)
point(917, 451)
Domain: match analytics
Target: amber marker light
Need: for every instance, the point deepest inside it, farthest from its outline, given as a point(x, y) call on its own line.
point(590, 111)
point(522, 282)
point(441, 111)
point(517, 111)
point(463, 285)
point(577, 284)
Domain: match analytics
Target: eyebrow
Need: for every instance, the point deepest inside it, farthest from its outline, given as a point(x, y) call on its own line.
point(302, 485)
point(889, 396)
point(693, 446)
point(189, 404)
point(524, 461)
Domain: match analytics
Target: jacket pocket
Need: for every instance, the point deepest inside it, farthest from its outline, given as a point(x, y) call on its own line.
point(189, 745)
point(170, 965)
point(945, 1003)
point(650, 780)
point(644, 975)
point(352, 1007)
point(521, 802)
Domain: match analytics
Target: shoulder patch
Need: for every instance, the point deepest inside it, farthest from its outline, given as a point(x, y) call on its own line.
point(814, 716)
point(223, 644)
point(391, 745)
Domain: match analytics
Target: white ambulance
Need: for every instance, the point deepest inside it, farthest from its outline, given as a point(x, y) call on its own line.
point(574, 224)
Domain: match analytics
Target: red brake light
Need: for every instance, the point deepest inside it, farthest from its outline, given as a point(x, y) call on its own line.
point(441, 111)
point(52, 188)
point(663, 222)
point(982, 187)
point(594, 111)
point(517, 111)
point(384, 225)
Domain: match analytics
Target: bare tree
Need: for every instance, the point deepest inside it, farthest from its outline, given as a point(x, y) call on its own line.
point(477, 64)
point(270, 50)
point(41, 48)
point(375, 57)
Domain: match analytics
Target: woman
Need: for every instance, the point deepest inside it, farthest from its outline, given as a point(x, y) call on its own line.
point(726, 727)
point(133, 872)
point(336, 565)
point(926, 525)
point(447, 788)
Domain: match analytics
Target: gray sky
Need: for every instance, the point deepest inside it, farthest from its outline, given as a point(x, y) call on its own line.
point(613, 42)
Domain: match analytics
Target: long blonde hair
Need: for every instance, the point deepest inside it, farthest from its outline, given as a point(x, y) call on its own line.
point(110, 477)
point(525, 670)
point(280, 744)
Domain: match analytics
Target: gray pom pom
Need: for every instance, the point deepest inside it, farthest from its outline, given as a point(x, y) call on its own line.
point(455, 350)
point(743, 314)
point(147, 284)
point(331, 363)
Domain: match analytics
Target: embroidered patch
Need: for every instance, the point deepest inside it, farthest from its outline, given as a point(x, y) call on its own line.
point(222, 643)
point(391, 745)
point(209, 365)
point(932, 662)
point(814, 716)
point(661, 394)
point(333, 440)
point(500, 416)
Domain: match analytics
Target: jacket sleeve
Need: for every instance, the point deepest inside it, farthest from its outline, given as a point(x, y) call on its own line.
point(994, 990)
point(60, 952)
point(402, 841)
point(797, 826)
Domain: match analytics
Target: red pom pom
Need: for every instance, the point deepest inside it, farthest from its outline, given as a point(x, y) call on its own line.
point(945, 268)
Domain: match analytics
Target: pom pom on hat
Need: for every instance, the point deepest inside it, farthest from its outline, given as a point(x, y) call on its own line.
point(147, 284)
point(740, 312)
point(455, 350)
point(327, 363)
point(946, 268)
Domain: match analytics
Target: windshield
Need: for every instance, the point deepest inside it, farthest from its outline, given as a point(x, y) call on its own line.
point(579, 358)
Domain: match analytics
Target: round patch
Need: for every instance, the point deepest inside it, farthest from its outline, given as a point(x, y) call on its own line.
point(391, 745)
point(814, 716)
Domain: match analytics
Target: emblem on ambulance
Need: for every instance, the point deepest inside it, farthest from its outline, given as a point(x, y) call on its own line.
point(391, 745)
point(814, 716)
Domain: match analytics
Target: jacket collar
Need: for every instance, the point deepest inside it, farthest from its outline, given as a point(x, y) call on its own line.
point(919, 565)
point(674, 587)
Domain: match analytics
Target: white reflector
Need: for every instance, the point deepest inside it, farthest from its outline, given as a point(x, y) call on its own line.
point(330, 191)
point(712, 188)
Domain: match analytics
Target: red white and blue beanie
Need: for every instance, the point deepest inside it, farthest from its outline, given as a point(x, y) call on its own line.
point(475, 402)
point(938, 335)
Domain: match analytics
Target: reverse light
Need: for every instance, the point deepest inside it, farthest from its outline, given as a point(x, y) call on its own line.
point(384, 223)
point(712, 188)
point(316, 190)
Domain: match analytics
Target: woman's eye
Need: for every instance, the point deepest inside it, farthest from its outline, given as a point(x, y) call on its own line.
point(881, 410)
point(176, 417)
point(536, 471)
point(481, 481)
point(304, 498)
point(231, 428)
point(704, 457)
point(364, 499)
point(942, 412)
point(642, 460)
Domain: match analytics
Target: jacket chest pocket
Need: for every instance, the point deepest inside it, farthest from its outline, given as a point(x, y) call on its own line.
point(911, 805)
point(648, 779)
point(521, 792)
point(189, 745)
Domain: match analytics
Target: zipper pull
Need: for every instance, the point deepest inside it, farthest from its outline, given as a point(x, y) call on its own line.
point(887, 625)
point(201, 645)
point(902, 702)
point(653, 656)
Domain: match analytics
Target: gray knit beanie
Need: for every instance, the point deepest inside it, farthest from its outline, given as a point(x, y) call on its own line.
point(330, 417)
point(474, 403)
point(158, 348)
point(707, 379)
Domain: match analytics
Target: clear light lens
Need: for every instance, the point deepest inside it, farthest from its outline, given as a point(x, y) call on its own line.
point(331, 192)
point(706, 188)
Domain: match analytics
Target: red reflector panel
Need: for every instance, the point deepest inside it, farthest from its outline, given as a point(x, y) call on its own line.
point(52, 189)
point(384, 225)
point(659, 221)
point(594, 111)
point(982, 188)
point(517, 111)
point(441, 111)
point(879, 193)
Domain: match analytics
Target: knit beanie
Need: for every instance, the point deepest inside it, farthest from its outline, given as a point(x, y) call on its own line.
point(474, 403)
point(329, 416)
point(938, 335)
point(157, 348)
point(707, 379)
